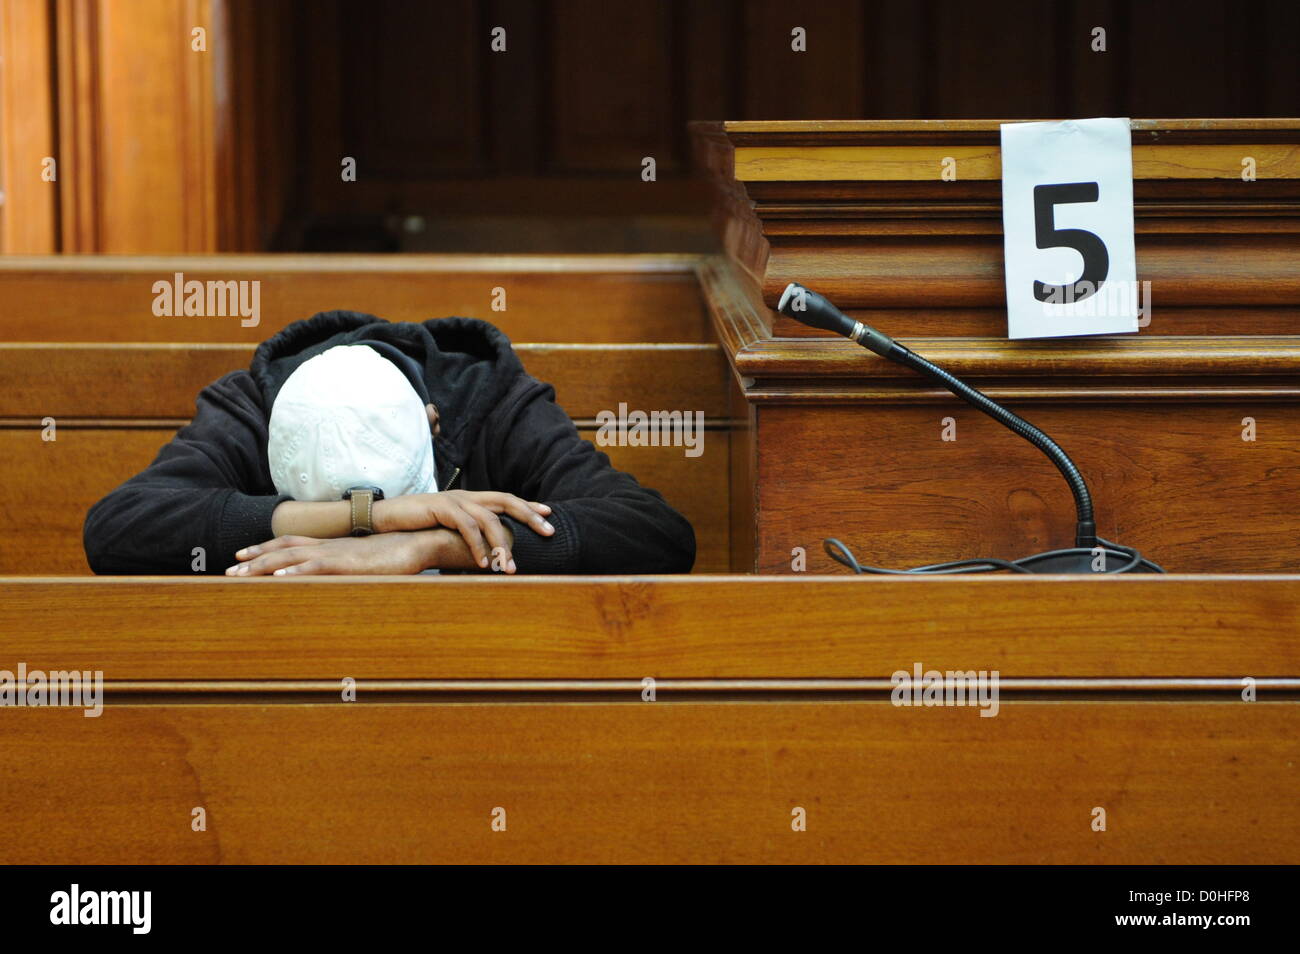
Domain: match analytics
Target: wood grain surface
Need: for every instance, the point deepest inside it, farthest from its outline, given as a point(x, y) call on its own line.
point(666, 627)
point(1200, 783)
point(548, 298)
point(1176, 481)
point(29, 210)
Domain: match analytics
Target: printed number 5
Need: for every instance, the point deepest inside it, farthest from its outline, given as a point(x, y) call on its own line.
point(1096, 260)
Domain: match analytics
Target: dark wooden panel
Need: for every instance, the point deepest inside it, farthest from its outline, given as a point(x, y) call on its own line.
point(260, 162)
point(713, 83)
point(898, 39)
point(1153, 57)
point(1095, 79)
point(515, 117)
point(687, 627)
point(416, 106)
point(1200, 783)
point(827, 81)
point(1175, 480)
point(61, 480)
point(1000, 59)
point(613, 97)
point(1273, 74)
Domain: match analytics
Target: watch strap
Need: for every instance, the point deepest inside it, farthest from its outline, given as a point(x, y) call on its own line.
point(363, 505)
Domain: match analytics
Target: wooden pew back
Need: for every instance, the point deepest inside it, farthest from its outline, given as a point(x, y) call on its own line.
point(534, 298)
point(769, 696)
point(116, 399)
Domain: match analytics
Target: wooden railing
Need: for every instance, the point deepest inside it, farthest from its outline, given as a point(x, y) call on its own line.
point(530, 700)
point(551, 298)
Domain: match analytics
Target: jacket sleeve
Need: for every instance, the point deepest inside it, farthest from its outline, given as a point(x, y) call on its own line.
point(208, 488)
point(605, 521)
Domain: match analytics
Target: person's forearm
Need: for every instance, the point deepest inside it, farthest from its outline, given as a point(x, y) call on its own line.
point(325, 519)
point(320, 519)
point(441, 548)
point(444, 549)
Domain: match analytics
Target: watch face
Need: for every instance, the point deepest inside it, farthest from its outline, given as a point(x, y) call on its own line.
point(379, 494)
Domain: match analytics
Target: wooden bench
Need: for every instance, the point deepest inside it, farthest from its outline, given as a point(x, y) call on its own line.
point(771, 695)
point(78, 345)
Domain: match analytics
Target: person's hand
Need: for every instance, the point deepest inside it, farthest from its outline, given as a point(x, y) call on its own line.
point(471, 513)
point(380, 553)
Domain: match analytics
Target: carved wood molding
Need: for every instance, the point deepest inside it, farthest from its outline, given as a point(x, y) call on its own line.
point(901, 132)
point(1183, 368)
point(922, 259)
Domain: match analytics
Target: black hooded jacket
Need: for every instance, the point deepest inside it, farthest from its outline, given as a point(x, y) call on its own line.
point(501, 430)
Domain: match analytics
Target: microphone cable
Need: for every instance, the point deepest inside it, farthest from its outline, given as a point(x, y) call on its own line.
point(1134, 561)
point(815, 310)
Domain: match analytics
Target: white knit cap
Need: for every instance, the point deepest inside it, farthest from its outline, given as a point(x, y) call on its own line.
point(349, 418)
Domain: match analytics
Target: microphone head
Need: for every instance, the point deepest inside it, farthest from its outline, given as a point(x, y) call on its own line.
point(790, 291)
point(809, 308)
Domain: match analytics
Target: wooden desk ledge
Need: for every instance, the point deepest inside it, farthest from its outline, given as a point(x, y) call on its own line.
point(1180, 628)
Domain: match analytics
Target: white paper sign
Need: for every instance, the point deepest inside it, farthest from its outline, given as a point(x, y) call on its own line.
point(1067, 220)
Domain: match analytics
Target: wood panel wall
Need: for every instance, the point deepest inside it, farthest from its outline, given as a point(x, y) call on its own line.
point(163, 149)
point(161, 146)
point(586, 89)
point(29, 211)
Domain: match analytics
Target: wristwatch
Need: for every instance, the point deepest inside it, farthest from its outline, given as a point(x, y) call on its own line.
point(363, 501)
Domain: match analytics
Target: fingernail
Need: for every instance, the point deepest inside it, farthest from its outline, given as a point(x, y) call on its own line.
point(482, 561)
point(547, 527)
point(510, 567)
point(281, 572)
point(230, 570)
point(241, 570)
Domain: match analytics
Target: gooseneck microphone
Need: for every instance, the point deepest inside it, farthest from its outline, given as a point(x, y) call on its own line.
point(816, 311)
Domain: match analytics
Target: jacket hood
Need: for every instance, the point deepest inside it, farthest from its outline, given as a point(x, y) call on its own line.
point(463, 366)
